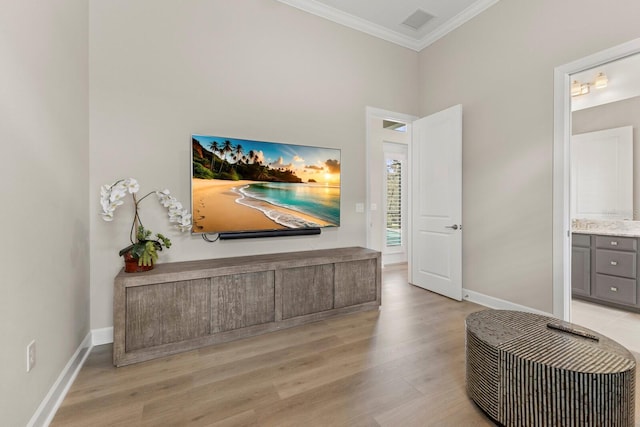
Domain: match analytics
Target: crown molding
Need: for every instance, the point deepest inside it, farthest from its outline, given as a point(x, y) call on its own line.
point(351, 21)
point(320, 9)
point(466, 15)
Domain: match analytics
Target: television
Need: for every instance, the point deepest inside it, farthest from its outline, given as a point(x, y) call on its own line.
point(246, 188)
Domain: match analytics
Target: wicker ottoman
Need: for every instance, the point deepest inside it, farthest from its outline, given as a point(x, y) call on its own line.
point(524, 370)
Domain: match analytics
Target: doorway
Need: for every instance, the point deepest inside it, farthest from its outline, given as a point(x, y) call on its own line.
point(604, 192)
point(395, 215)
point(562, 169)
point(388, 139)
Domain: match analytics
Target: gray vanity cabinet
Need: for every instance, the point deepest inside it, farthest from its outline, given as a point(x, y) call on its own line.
point(616, 261)
point(604, 269)
point(581, 264)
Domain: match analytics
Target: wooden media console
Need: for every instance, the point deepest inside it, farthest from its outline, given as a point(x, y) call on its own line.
point(182, 306)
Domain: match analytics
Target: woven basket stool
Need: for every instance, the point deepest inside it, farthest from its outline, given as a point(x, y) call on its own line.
point(528, 370)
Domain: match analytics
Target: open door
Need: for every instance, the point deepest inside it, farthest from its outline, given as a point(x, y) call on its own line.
point(435, 258)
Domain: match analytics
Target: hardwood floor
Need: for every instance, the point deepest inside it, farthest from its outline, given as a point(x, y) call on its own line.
point(400, 366)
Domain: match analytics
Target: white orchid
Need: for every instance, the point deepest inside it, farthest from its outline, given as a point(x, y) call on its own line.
point(117, 193)
point(104, 192)
point(175, 207)
point(177, 214)
point(112, 196)
point(164, 197)
point(131, 185)
point(108, 216)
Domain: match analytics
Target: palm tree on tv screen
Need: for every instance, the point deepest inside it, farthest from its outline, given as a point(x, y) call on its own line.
point(239, 151)
point(226, 149)
point(214, 150)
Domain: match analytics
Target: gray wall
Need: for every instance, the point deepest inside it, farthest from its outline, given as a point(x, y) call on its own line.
point(255, 69)
point(615, 115)
point(44, 157)
point(500, 66)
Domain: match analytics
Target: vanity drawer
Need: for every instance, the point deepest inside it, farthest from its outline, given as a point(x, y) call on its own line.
point(615, 289)
point(582, 240)
point(617, 243)
point(616, 263)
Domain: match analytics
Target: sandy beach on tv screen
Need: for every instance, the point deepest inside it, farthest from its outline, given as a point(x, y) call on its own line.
point(215, 209)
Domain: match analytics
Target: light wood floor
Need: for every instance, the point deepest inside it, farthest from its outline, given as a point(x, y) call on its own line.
point(400, 366)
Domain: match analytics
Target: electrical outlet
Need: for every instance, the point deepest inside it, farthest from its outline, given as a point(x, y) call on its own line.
point(31, 355)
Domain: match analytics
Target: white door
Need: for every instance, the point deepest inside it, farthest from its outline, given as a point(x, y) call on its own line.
point(436, 203)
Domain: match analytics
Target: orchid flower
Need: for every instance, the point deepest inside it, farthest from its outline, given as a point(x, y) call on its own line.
point(131, 185)
point(112, 196)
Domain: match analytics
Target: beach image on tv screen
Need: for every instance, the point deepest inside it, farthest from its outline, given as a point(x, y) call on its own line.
point(245, 185)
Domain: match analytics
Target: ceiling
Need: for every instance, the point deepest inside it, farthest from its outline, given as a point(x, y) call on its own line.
point(385, 18)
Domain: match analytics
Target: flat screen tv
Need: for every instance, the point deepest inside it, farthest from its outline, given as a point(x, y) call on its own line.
point(240, 185)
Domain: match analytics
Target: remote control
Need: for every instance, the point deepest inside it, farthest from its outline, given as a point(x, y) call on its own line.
point(572, 331)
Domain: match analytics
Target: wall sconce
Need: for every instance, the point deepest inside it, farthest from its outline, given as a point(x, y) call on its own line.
point(601, 81)
point(578, 89)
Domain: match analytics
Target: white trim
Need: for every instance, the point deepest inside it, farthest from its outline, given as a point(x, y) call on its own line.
point(102, 336)
point(392, 115)
point(463, 17)
point(50, 404)
point(561, 169)
point(322, 10)
point(497, 303)
point(351, 21)
point(371, 112)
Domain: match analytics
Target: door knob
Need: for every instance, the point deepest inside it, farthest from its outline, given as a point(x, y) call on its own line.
point(453, 227)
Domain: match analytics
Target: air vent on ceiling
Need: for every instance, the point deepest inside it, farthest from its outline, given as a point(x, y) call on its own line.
point(417, 19)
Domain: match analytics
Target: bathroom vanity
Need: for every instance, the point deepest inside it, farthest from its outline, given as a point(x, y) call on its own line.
point(604, 266)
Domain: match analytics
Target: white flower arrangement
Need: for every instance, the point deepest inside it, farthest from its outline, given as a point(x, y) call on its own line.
point(144, 247)
point(111, 196)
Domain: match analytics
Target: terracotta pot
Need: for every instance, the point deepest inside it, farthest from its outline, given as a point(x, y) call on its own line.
point(131, 264)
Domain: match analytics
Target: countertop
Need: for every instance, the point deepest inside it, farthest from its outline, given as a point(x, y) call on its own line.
point(606, 228)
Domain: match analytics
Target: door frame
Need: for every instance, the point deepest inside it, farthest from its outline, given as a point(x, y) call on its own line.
point(375, 145)
point(561, 248)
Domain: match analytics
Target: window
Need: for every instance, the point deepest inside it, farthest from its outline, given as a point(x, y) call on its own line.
point(394, 203)
point(397, 126)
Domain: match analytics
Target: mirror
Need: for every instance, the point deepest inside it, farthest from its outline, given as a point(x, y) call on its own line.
point(605, 143)
point(602, 174)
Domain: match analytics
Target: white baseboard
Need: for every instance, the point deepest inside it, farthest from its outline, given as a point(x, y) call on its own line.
point(102, 336)
point(498, 303)
point(50, 404)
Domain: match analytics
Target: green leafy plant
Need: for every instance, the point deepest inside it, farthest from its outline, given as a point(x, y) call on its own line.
point(146, 248)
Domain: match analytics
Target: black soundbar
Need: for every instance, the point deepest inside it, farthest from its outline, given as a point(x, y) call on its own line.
point(269, 233)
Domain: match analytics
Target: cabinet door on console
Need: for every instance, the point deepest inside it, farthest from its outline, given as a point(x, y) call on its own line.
point(241, 300)
point(306, 290)
point(355, 282)
point(166, 313)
